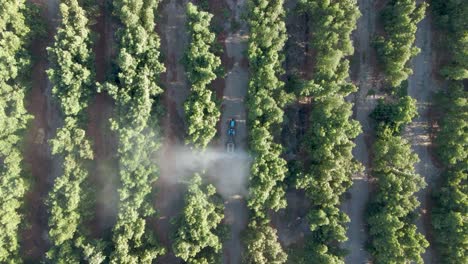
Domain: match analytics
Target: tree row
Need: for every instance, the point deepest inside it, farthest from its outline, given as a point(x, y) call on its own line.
point(451, 199)
point(328, 165)
point(265, 99)
point(202, 66)
point(198, 235)
point(391, 215)
point(14, 61)
point(392, 211)
point(136, 93)
point(395, 48)
point(72, 77)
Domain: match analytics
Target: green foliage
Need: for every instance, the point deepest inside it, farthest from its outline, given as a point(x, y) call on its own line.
point(262, 246)
point(14, 61)
point(72, 71)
point(138, 70)
point(315, 252)
point(395, 48)
point(330, 166)
point(451, 16)
point(394, 236)
point(71, 60)
point(197, 238)
point(202, 65)
point(331, 23)
point(395, 115)
point(265, 100)
point(451, 207)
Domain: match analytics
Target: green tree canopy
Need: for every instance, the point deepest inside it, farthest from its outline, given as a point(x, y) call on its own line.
point(14, 61)
point(71, 74)
point(395, 48)
point(202, 66)
point(262, 246)
point(451, 200)
point(198, 234)
point(134, 94)
point(394, 236)
point(451, 16)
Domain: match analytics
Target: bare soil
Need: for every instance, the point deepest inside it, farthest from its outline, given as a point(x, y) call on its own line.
point(291, 224)
point(42, 167)
point(169, 196)
point(233, 39)
point(103, 173)
point(422, 86)
point(364, 75)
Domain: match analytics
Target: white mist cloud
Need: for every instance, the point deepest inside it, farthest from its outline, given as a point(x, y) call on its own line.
point(229, 172)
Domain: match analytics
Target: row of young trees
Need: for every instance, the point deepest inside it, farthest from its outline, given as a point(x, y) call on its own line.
point(451, 200)
point(450, 16)
point(265, 100)
point(331, 24)
point(329, 164)
point(203, 66)
point(395, 48)
point(72, 76)
point(135, 92)
point(14, 60)
point(451, 206)
point(391, 214)
point(198, 238)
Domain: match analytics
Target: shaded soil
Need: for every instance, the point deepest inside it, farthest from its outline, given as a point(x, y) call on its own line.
point(365, 75)
point(168, 199)
point(291, 224)
point(234, 42)
point(38, 159)
point(422, 86)
point(103, 174)
point(38, 162)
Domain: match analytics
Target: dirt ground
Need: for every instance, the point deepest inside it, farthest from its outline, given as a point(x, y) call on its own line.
point(291, 224)
point(364, 75)
point(233, 106)
point(103, 173)
point(169, 196)
point(42, 167)
point(422, 86)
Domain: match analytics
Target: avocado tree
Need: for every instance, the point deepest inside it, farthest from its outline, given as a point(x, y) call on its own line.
point(14, 60)
point(135, 124)
point(395, 48)
point(391, 214)
point(198, 238)
point(71, 74)
point(327, 168)
point(451, 203)
point(265, 100)
point(202, 66)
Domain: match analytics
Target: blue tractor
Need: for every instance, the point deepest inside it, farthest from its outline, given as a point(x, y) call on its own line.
point(230, 146)
point(232, 127)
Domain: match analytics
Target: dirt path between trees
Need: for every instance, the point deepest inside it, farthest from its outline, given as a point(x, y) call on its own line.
point(357, 198)
point(169, 198)
point(103, 174)
point(233, 106)
point(42, 167)
point(422, 86)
